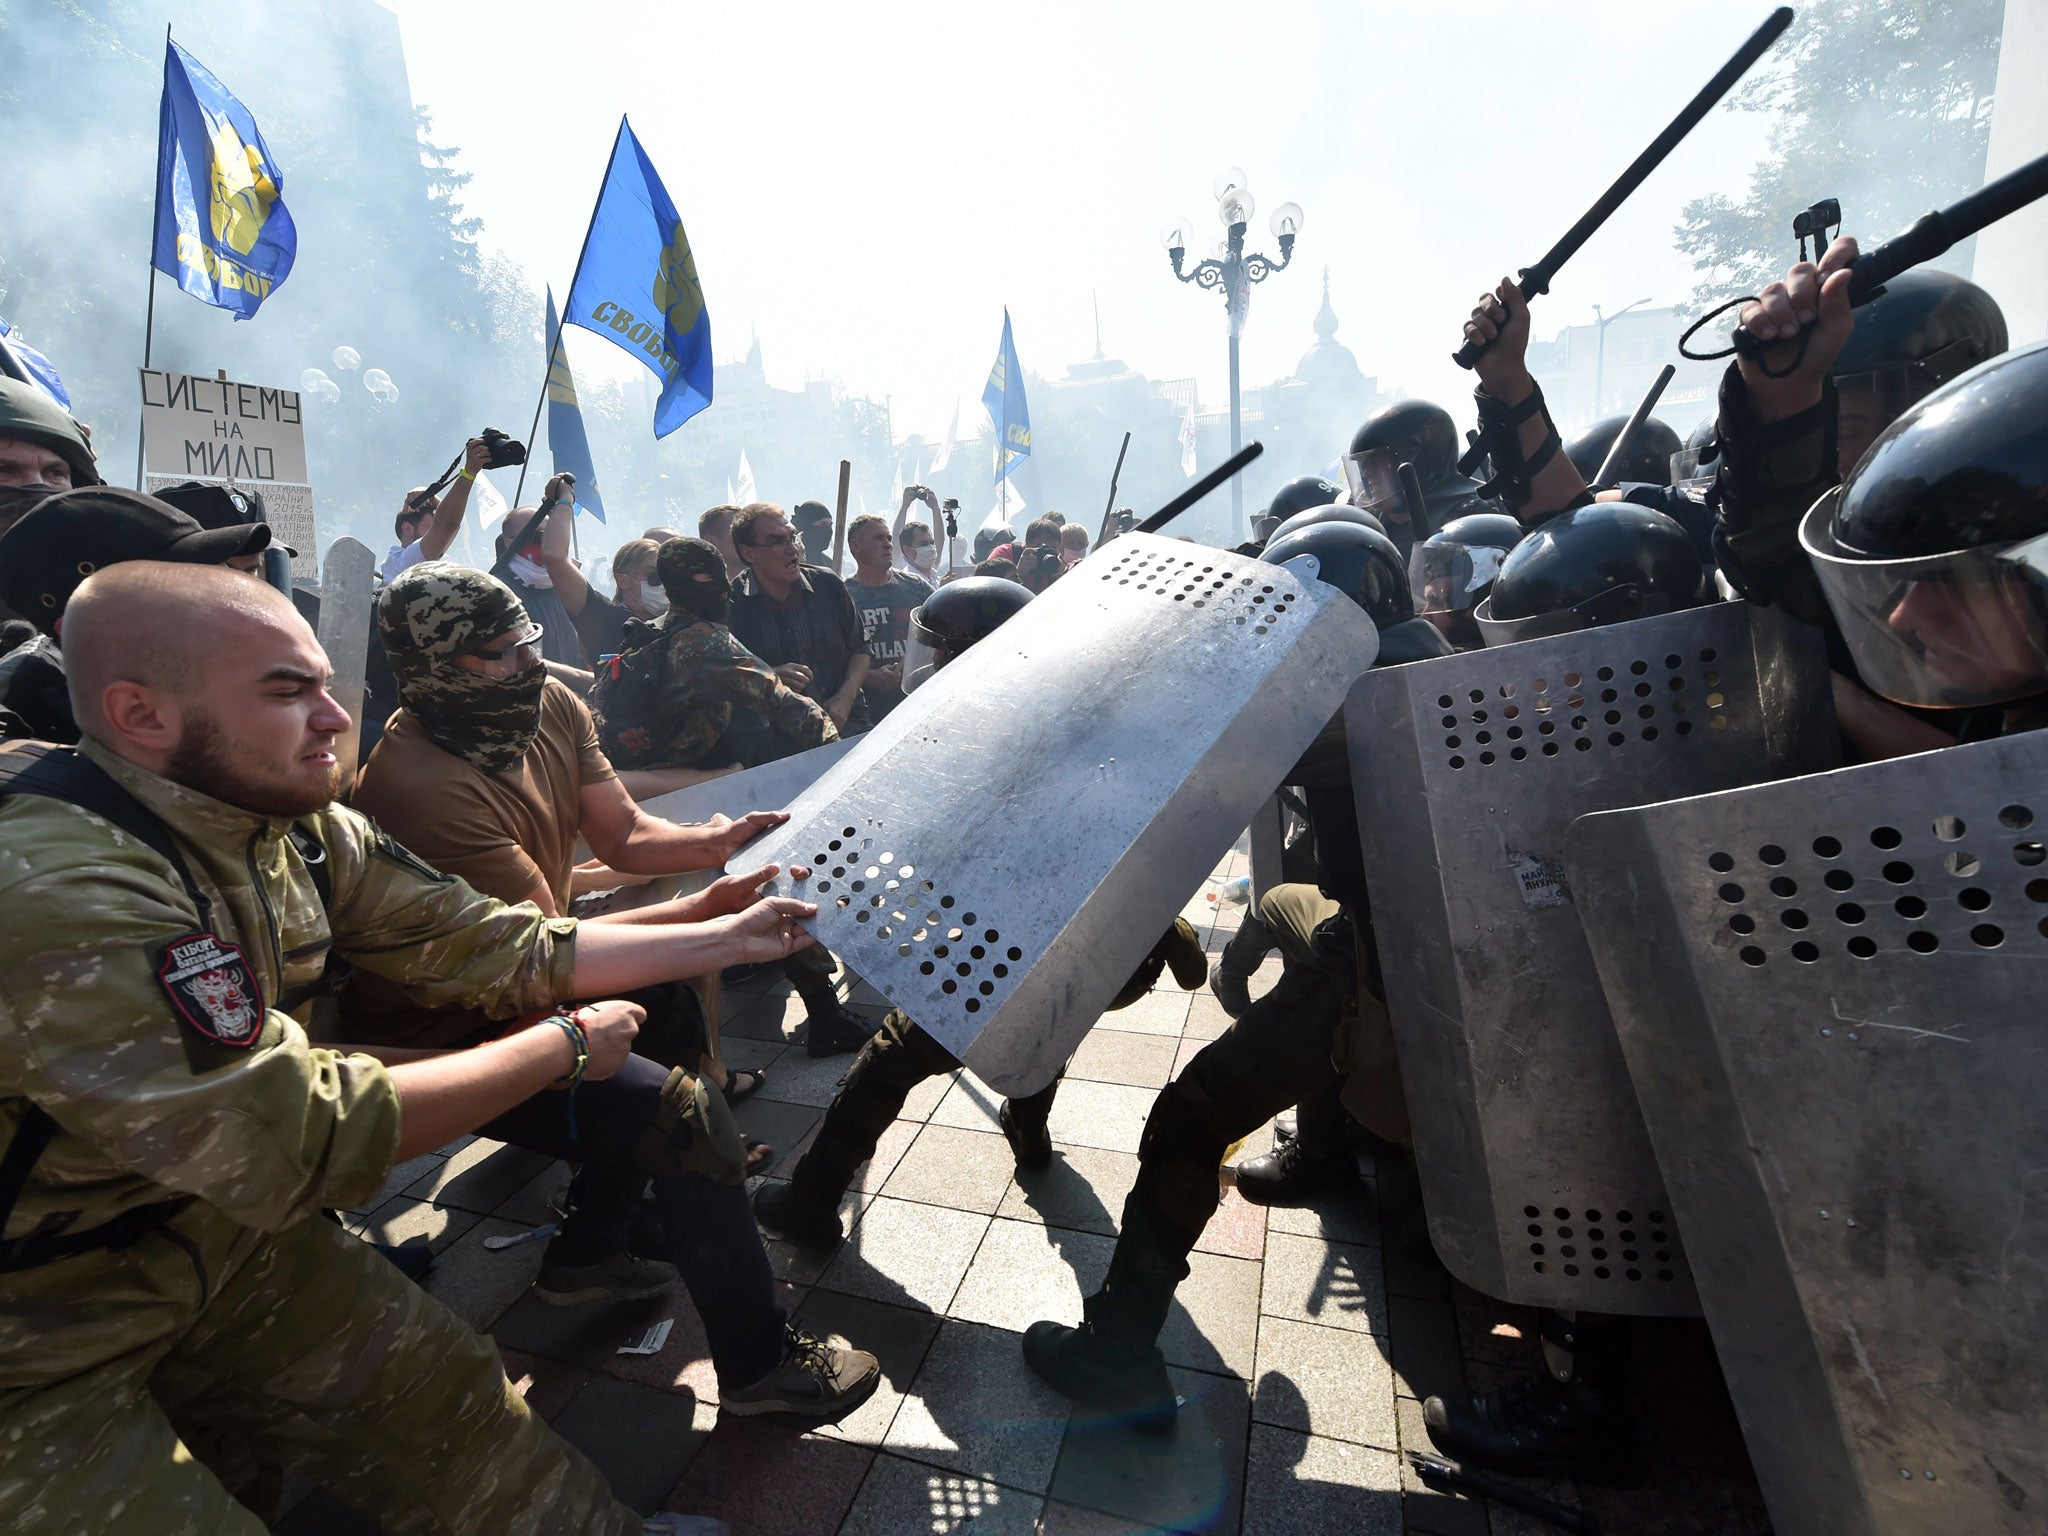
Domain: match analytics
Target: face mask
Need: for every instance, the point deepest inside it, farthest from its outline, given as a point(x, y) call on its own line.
point(488, 721)
point(531, 573)
point(925, 556)
point(429, 617)
point(653, 598)
point(707, 600)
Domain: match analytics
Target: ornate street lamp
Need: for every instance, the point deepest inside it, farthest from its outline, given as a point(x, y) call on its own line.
point(1231, 270)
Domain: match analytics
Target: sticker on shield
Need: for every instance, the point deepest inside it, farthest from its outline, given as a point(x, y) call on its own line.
point(208, 981)
point(1542, 880)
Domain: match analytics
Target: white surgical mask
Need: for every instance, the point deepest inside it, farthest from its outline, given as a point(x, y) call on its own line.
point(532, 573)
point(653, 598)
point(925, 556)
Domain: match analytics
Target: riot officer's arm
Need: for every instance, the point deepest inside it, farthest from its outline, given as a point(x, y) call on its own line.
point(1534, 478)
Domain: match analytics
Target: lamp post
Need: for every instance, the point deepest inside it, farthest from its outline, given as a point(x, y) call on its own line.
point(1600, 354)
point(1231, 270)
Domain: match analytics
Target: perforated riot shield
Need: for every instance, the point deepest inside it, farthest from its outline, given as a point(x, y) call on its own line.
point(347, 597)
point(998, 855)
point(768, 787)
point(1830, 994)
point(1537, 1174)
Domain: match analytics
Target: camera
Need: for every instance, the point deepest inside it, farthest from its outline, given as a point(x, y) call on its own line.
point(504, 450)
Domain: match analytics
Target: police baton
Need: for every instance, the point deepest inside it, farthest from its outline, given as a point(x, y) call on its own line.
point(1534, 280)
point(1109, 507)
point(1930, 235)
point(1227, 470)
point(1610, 465)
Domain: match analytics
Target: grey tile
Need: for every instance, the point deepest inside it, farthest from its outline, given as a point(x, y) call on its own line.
point(1024, 1272)
point(1083, 1187)
point(477, 1283)
point(1105, 1115)
point(1428, 1512)
point(641, 1438)
point(908, 1254)
point(1423, 1344)
point(404, 1219)
point(1348, 1215)
point(779, 1124)
point(407, 1173)
point(1156, 1013)
point(1213, 1324)
point(1189, 1480)
point(924, 1098)
point(1303, 1485)
point(801, 1265)
point(969, 1103)
point(740, 1051)
point(976, 1407)
point(1325, 1381)
point(775, 1019)
point(586, 1336)
point(1110, 1055)
point(1206, 1018)
point(481, 1177)
point(797, 1077)
point(897, 1337)
point(967, 1170)
point(1335, 1284)
point(543, 1198)
point(901, 1496)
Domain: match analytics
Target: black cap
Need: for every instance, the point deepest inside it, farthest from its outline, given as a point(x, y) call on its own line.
point(212, 505)
point(810, 512)
point(67, 537)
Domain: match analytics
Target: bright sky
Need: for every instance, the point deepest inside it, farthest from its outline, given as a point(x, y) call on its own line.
point(869, 186)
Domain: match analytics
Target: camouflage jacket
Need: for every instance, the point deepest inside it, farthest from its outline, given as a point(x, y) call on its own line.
point(711, 684)
point(150, 1034)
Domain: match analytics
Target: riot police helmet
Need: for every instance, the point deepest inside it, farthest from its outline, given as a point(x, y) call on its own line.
point(1647, 460)
point(1360, 562)
point(1300, 494)
point(1923, 329)
point(1690, 463)
point(1334, 512)
point(1603, 563)
point(1934, 552)
point(1451, 571)
point(1411, 432)
point(954, 618)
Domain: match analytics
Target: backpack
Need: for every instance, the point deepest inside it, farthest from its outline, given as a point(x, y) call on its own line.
point(626, 694)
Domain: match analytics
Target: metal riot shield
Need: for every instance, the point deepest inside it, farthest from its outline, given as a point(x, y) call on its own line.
point(769, 787)
point(1830, 995)
point(1536, 1172)
point(347, 595)
point(998, 855)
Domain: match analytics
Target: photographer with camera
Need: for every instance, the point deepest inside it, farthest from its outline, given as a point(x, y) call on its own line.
point(429, 518)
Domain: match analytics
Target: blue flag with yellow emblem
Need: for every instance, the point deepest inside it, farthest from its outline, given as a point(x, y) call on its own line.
point(221, 226)
point(568, 444)
point(636, 284)
point(1004, 397)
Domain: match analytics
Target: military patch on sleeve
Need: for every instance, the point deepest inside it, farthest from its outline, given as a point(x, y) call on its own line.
point(210, 985)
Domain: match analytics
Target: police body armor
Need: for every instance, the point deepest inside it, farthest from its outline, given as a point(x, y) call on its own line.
point(1830, 995)
point(1468, 771)
point(999, 854)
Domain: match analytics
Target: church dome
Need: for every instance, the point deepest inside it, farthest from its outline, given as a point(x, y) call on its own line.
point(1329, 360)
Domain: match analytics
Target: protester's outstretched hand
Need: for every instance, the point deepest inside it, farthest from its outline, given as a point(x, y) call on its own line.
point(1808, 295)
point(735, 893)
point(767, 930)
point(557, 538)
point(1500, 323)
point(609, 1028)
point(729, 836)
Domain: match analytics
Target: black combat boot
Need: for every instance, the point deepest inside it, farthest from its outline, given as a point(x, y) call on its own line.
point(783, 1209)
point(1290, 1173)
point(1025, 1124)
point(1112, 1363)
point(1568, 1419)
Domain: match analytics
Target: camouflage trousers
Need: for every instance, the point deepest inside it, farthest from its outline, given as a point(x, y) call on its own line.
point(871, 1095)
point(302, 1348)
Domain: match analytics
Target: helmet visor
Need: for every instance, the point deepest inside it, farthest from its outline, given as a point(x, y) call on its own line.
point(924, 652)
point(1615, 605)
point(1450, 578)
point(1374, 480)
point(1947, 631)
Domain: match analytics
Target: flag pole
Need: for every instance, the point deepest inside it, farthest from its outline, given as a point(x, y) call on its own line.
point(156, 224)
point(561, 321)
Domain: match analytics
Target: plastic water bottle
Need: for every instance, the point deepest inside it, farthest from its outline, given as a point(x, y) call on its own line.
point(1234, 893)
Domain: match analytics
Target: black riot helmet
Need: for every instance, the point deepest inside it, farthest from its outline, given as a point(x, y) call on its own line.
point(1413, 432)
point(1925, 328)
point(952, 619)
point(1418, 433)
point(1693, 462)
point(1359, 561)
point(1301, 494)
point(1334, 512)
point(1604, 563)
point(1648, 460)
point(1451, 572)
point(1934, 552)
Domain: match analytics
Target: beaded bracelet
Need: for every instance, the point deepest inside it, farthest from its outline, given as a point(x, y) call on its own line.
point(573, 1078)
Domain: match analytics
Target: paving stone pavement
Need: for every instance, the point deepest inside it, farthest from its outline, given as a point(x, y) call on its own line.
point(1303, 1341)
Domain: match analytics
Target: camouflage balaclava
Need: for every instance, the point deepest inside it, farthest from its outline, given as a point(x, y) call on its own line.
point(683, 563)
point(430, 616)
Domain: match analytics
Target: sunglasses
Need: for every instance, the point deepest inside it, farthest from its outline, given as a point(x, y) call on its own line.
point(523, 652)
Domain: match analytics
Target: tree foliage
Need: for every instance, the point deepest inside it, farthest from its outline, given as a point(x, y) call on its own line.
point(1884, 104)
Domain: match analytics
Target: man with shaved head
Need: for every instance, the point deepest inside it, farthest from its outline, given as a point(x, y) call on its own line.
point(170, 1303)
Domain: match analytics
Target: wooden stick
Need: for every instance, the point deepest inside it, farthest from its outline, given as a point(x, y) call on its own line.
point(839, 518)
